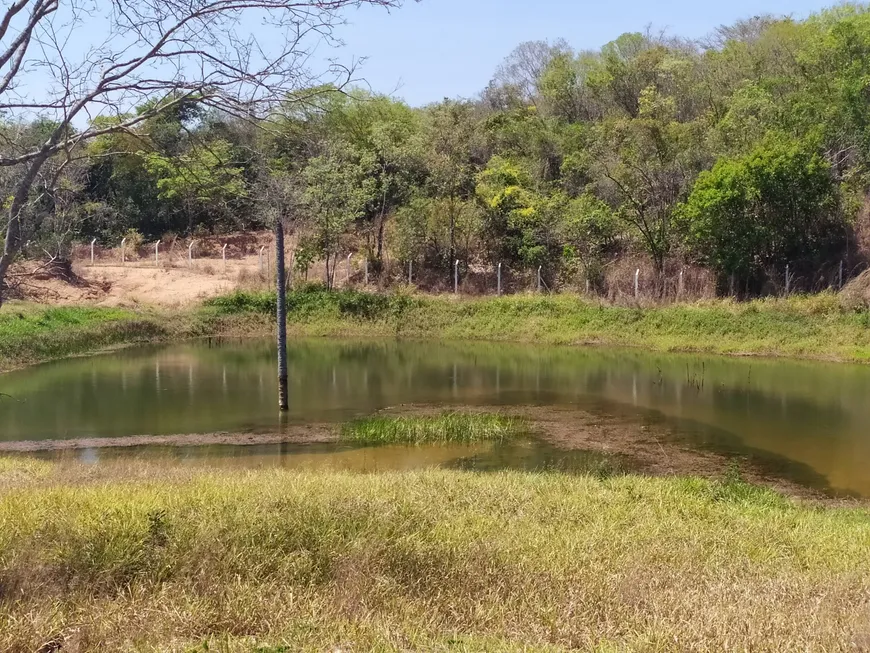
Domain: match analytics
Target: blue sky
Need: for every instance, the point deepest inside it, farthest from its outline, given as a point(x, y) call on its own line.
point(450, 48)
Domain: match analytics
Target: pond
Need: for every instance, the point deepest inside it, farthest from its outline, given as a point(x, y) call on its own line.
point(798, 415)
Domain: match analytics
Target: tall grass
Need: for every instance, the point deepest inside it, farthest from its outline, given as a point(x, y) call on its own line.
point(801, 326)
point(141, 558)
point(810, 327)
point(31, 333)
point(446, 427)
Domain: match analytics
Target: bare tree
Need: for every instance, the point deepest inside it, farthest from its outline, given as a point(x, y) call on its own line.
point(241, 57)
point(522, 68)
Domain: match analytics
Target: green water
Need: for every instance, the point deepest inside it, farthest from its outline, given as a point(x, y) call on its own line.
point(809, 420)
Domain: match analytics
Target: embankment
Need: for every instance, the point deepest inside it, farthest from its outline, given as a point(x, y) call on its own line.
point(800, 327)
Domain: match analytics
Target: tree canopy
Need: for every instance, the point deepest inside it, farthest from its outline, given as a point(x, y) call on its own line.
point(744, 152)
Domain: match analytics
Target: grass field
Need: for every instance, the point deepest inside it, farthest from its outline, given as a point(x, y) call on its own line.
point(134, 557)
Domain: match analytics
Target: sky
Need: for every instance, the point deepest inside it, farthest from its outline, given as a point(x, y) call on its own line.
point(434, 49)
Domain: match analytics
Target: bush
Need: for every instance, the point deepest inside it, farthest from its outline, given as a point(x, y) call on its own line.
point(244, 302)
point(312, 299)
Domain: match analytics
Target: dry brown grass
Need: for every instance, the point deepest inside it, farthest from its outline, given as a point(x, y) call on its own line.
point(149, 558)
point(856, 294)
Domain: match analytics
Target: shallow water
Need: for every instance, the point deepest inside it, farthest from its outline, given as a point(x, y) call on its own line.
point(809, 420)
point(522, 455)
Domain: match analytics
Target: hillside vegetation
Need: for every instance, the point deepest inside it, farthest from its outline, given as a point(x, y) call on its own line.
point(741, 159)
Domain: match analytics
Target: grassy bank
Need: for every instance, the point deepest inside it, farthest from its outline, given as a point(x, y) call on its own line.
point(133, 557)
point(422, 429)
point(802, 327)
point(33, 333)
point(811, 327)
point(30, 333)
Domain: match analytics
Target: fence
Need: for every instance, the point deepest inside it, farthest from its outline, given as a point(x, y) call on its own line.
point(625, 280)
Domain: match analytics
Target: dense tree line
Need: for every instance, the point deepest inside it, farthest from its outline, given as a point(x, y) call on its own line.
point(744, 153)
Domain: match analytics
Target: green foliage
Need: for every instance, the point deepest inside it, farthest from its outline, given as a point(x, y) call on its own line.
point(446, 427)
point(31, 333)
point(314, 300)
point(338, 187)
point(776, 206)
point(568, 159)
point(204, 174)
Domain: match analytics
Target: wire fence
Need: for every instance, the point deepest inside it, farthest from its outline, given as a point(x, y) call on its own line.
point(628, 279)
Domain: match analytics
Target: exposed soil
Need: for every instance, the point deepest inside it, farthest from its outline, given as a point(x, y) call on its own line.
point(650, 449)
point(142, 284)
point(301, 434)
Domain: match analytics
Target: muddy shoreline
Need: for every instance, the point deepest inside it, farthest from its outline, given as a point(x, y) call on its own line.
point(651, 448)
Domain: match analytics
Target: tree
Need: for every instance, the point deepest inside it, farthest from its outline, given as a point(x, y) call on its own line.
point(518, 219)
point(522, 68)
point(755, 214)
point(451, 142)
point(388, 130)
point(339, 185)
point(205, 176)
point(163, 53)
point(647, 166)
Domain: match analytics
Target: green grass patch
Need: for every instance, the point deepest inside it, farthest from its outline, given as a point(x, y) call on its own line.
point(136, 557)
point(446, 427)
point(31, 333)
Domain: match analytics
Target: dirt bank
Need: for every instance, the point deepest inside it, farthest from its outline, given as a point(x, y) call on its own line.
point(650, 449)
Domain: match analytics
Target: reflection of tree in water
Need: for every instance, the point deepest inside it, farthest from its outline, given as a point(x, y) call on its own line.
point(810, 412)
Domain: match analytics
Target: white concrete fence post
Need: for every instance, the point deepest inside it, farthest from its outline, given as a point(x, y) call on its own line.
point(347, 280)
point(224, 256)
point(92, 251)
point(499, 279)
point(123, 251)
point(190, 253)
point(157, 254)
point(539, 277)
point(637, 283)
point(680, 286)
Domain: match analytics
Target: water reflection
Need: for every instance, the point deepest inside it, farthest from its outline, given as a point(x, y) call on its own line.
point(524, 455)
point(814, 414)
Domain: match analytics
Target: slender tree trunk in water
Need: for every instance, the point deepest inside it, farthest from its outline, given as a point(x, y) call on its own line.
point(283, 399)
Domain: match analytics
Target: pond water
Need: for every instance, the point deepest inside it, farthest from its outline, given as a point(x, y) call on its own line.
point(809, 418)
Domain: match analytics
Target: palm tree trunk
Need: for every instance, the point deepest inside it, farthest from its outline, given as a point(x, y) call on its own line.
point(283, 400)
